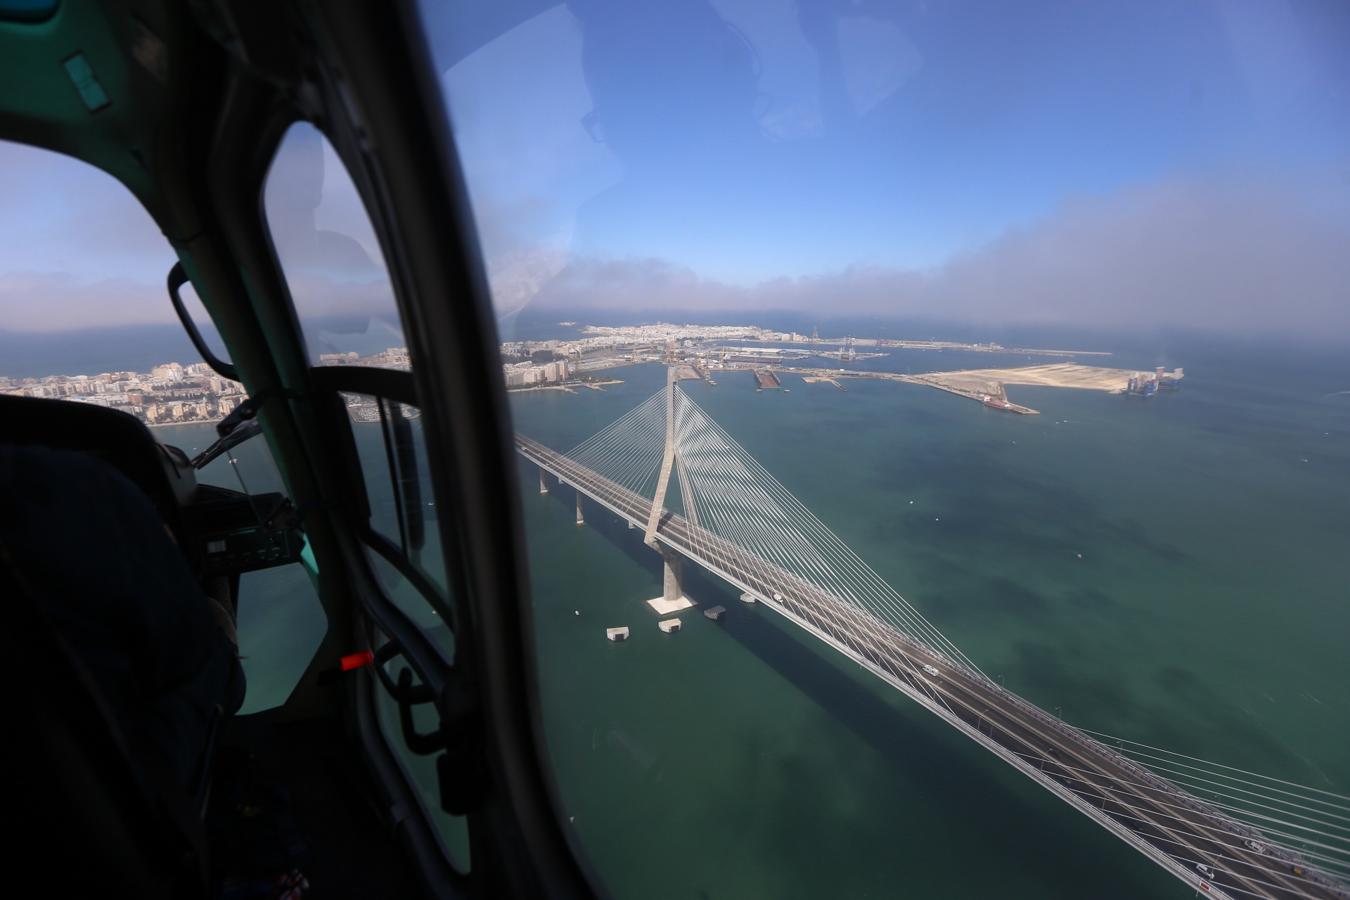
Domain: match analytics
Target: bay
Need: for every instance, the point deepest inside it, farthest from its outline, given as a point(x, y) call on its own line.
point(1207, 614)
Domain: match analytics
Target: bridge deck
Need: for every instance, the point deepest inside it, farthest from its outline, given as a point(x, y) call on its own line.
point(1171, 826)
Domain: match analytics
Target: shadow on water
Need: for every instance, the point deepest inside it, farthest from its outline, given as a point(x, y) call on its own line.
point(886, 728)
point(889, 729)
point(938, 768)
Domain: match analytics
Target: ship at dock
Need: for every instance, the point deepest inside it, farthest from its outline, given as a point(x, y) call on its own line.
point(1001, 402)
point(1147, 384)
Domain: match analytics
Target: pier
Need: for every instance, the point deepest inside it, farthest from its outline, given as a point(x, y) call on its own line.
point(984, 386)
point(765, 379)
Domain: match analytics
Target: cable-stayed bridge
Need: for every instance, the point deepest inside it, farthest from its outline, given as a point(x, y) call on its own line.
point(1223, 831)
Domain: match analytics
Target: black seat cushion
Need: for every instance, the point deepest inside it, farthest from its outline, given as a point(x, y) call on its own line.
point(115, 437)
point(97, 558)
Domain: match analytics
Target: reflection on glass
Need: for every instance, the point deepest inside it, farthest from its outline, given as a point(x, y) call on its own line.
point(330, 255)
point(1035, 312)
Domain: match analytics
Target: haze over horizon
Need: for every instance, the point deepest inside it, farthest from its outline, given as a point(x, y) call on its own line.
point(1057, 164)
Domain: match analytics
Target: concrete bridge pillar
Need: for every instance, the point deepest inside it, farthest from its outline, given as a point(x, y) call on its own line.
point(672, 597)
point(581, 519)
point(672, 590)
point(543, 485)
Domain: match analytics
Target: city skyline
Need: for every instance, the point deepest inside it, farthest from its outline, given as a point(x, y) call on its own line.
point(170, 393)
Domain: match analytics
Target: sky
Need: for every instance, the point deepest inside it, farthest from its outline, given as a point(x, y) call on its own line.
point(1184, 164)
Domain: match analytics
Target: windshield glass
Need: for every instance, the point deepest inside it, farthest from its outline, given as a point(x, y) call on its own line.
point(984, 360)
point(85, 318)
point(330, 256)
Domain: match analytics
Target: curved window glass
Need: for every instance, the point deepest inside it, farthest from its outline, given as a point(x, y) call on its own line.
point(914, 397)
point(332, 260)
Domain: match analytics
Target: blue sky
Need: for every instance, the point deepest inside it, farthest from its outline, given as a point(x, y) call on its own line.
point(748, 140)
point(1053, 161)
point(1030, 161)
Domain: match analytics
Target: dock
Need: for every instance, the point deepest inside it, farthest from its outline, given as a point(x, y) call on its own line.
point(617, 634)
point(986, 386)
point(597, 384)
point(669, 626)
point(766, 379)
point(990, 393)
point(1060, 375)
point(848, 355)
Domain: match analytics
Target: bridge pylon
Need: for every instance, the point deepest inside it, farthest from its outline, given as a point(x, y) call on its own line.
point(667, 462)
point(672, 593)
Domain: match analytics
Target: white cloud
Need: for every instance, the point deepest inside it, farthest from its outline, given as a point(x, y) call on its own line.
point(52, 301)
point(1218, 256)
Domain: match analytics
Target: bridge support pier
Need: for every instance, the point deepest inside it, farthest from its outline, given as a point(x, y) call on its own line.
point(543, 485)
point(581, 519)
point(670, 580)
point(672, 597)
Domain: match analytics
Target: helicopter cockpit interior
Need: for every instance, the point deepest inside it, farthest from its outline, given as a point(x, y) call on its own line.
point(406, 760)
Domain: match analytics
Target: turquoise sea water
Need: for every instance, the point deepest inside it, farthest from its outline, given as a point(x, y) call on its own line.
point(1208, 614)
point(280, 622)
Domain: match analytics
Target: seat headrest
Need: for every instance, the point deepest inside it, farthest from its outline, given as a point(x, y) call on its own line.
point(117, 438)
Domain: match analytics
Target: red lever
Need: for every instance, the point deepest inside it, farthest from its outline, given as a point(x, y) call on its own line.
point(357, 660)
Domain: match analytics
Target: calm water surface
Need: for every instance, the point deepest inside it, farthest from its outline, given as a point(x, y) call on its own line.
point(1207, 614)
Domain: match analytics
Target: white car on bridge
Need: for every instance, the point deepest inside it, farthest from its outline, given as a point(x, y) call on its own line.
point(930, 670)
